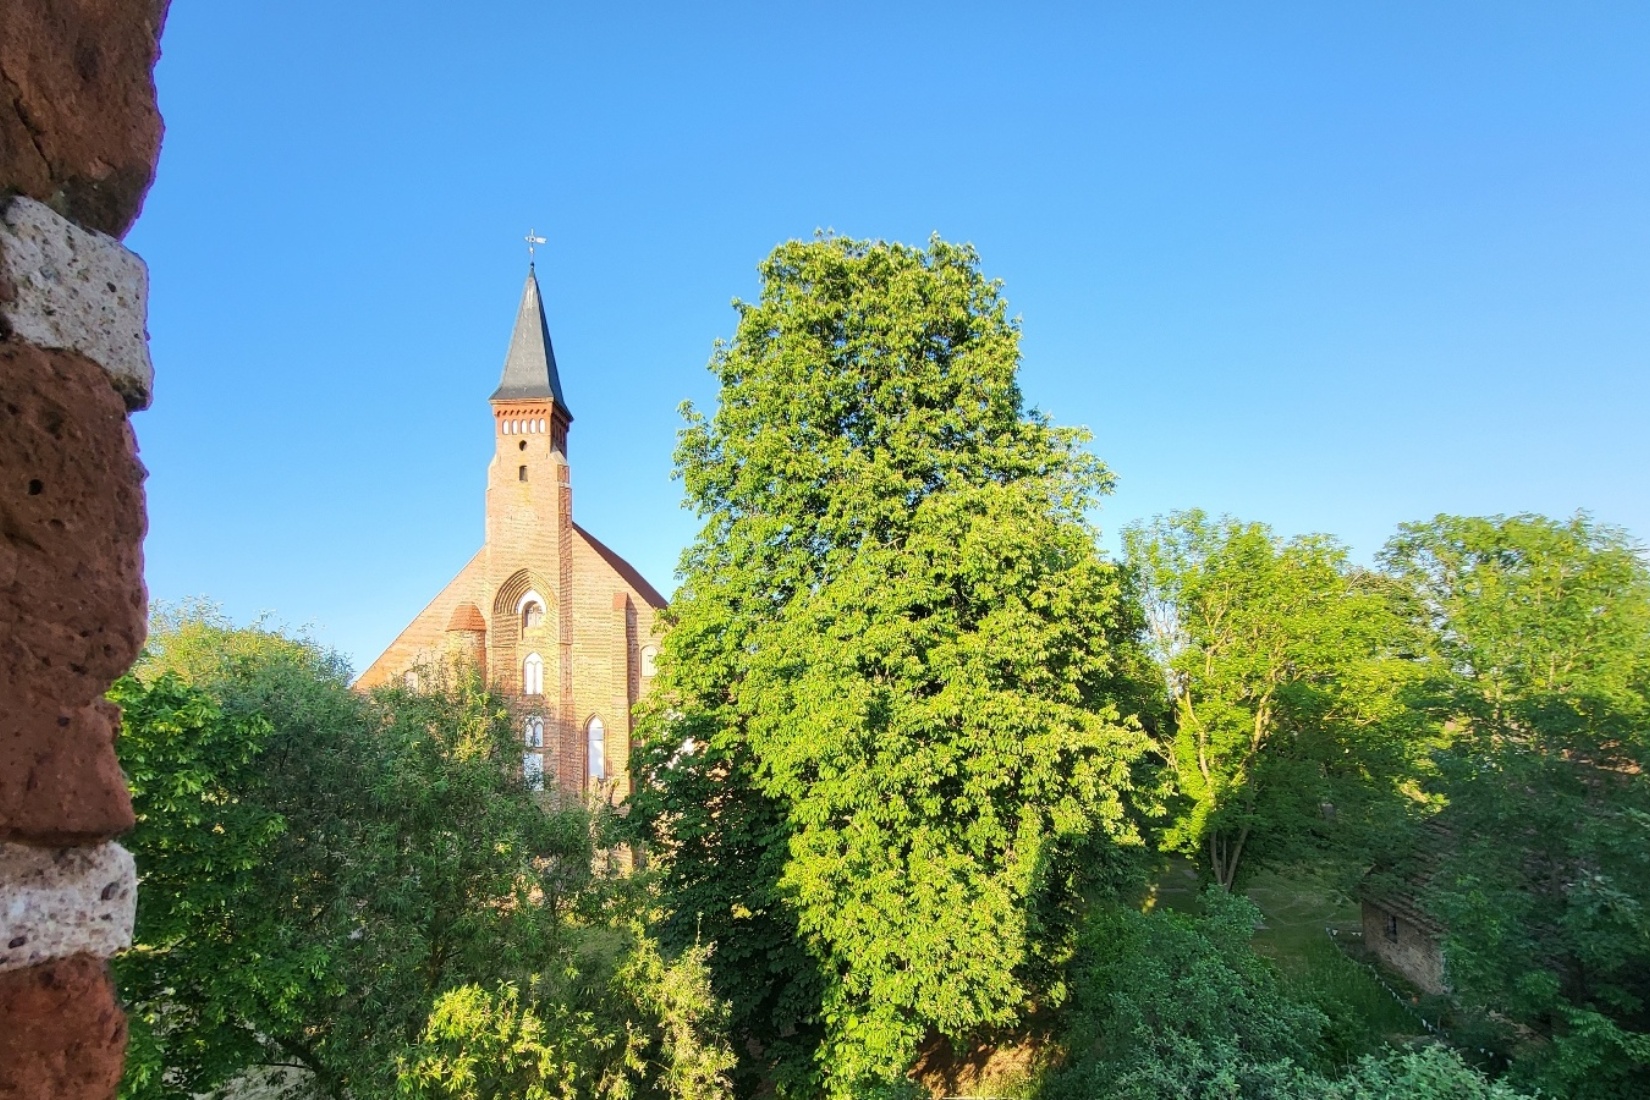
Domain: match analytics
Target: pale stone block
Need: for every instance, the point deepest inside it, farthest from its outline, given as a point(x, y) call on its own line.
point(76, 290)
point(56, 902)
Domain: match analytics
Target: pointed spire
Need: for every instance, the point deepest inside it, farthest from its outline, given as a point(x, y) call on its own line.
point(530, 365)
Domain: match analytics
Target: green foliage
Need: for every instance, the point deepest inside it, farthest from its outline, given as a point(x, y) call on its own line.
point(202, 849)
point(1197, 1073)
point(1285, 670)
point(893, 651)
point(456, 875)
point(1166, 1005)
point(479, 1044)
point(689, 1024)
point(1164, 994)
point(1527, 608)
point(665, 1039)
point(719, 847)
point(323, 870)
point(1431, 1073)
point(221, 733)
point(1542, 671)
point(1362, 1015)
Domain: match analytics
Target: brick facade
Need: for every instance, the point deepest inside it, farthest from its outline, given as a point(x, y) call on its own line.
point(555, 619)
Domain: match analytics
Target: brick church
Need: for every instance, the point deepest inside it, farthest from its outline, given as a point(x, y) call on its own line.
point(557, 621)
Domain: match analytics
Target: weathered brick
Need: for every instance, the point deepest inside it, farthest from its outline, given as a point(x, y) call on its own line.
point(72, 600)
point(79, 128)
point(61, 1032)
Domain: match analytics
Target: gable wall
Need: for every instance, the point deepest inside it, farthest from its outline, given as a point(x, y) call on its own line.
point(425, 637)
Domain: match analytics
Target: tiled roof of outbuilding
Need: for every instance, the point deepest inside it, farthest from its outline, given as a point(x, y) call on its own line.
point(1399, 890)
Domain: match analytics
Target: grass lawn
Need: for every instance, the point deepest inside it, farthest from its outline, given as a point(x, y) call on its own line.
point(1300, 914)
point(1297, 913)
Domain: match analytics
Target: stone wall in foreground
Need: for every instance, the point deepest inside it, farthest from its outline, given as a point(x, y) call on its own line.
point(79, 134)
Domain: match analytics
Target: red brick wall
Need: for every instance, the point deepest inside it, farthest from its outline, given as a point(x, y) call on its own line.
point(79, 135)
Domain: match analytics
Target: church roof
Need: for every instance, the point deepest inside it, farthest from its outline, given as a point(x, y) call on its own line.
point(624, 569)
point(530, 364)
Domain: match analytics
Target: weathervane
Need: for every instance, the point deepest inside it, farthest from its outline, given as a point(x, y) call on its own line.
point(532, 242)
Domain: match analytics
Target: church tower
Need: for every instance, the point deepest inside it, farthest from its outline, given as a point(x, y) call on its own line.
point(530, 524)
point(559, 623)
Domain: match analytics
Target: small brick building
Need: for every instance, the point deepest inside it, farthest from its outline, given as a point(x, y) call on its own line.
point(1398, 929)
point(1405, 938)
point(559, 622)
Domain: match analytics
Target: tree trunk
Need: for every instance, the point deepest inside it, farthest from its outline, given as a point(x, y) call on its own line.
point(1224, 857)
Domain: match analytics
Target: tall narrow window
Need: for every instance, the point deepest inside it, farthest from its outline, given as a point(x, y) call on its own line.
point(521, 473)
point(532, 614)
point(533, 734)
point(598, 749)
point(532, 770)
point(532, 675)
point(1392, 927)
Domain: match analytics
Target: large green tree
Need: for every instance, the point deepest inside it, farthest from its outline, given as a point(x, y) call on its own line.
point(229, 738)
point(329, 877)
point(1542, 673)
point(1285, 669)
point(884, 729)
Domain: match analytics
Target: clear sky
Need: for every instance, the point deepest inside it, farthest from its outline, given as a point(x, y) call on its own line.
point(1330, 266)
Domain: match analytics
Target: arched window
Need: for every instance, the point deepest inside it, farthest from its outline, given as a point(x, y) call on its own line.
point(410, 680)
point(533, 733)
point(650, 660)
point(532, 675)
point(532, 614)
point(598, 749)
point(532, 770)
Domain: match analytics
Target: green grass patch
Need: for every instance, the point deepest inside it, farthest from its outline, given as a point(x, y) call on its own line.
point(1298, 913)
point(1299, 916)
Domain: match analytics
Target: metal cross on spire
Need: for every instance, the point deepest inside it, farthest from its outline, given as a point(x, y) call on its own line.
point(532, 242)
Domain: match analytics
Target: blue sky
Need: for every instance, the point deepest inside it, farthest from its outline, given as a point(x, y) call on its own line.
point(1330, 266)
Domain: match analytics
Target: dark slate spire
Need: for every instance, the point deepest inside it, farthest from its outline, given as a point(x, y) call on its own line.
point(530, 365)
